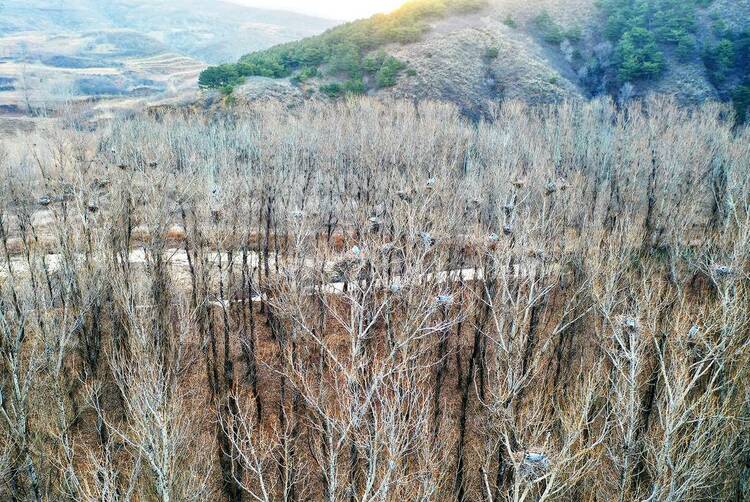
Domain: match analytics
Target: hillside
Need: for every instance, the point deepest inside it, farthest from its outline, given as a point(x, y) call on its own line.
point(122, 54)
point(477, 52)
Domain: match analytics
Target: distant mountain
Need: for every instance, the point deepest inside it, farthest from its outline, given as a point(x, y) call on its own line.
point(140, 50)
point(209, 30)
point(476, 52)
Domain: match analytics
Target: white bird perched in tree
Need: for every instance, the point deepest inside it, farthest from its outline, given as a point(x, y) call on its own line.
point(444, 300)
point(534, 465)
point(387, 247)
point(630, 324)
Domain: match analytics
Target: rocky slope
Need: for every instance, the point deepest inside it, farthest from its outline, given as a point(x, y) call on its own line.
point(476, 59)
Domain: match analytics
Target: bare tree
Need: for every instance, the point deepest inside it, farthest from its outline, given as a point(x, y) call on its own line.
point(365, 301)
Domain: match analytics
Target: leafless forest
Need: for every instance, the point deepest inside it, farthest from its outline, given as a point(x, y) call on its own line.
point(378, 302)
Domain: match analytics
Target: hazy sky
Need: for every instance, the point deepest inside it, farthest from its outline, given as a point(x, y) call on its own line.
point(334, 9)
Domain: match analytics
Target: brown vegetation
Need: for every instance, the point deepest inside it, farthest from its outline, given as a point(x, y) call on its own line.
point(372, 301)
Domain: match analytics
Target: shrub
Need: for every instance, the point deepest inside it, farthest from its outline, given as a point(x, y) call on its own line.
point(306, 74)
point(671, 19)
point(220, 76)
point(373, 62)
point(742, 52)
point(638, 27)
point(491, 53)
point(332, 90)
point(337, 89)
point(574, 34)
point(666, 19)
point(467, 5)
point(388, 73)
point(638, 56)
point(385, 68)
point(551, 31)
point(719, 59)
point(720, 28)
point(741, 100)
point(686, 47)
point(345, 60)
point(510, 22)
point(262, 67)
point(354, 86)
point(731, 57)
